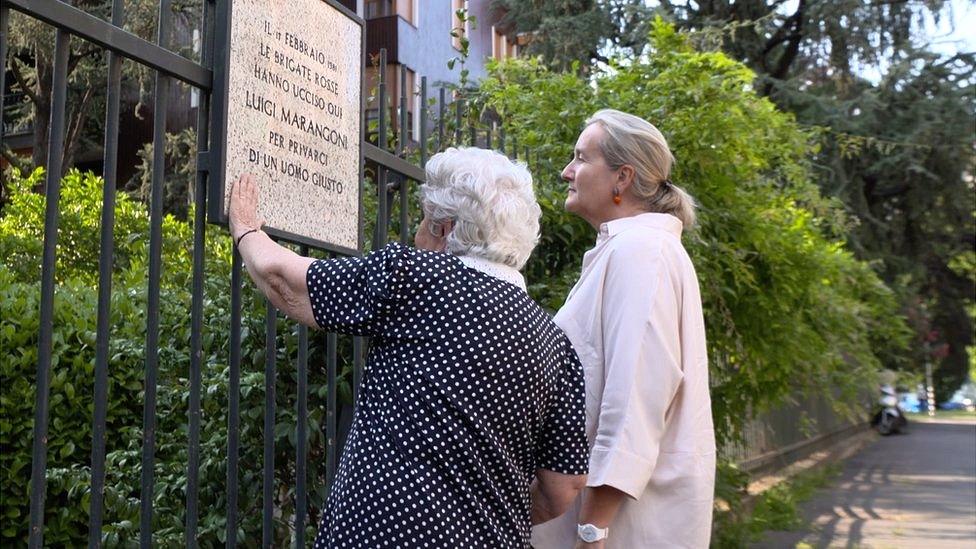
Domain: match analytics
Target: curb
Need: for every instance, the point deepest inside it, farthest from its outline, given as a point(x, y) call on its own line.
point(835, 450)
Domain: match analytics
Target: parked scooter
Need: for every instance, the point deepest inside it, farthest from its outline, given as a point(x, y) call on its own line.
point(889, 418)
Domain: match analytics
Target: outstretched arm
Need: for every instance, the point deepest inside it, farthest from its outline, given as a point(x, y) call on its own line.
point(277, 271)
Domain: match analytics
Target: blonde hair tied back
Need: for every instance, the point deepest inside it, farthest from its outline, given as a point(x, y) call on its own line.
point(633, 141)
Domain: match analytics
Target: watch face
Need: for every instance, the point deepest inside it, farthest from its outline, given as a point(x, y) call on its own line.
point(588, 533)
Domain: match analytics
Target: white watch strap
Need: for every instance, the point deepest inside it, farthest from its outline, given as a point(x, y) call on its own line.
point(590, 533)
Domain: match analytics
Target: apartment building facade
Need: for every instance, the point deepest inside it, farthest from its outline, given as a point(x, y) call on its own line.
point(417, 36)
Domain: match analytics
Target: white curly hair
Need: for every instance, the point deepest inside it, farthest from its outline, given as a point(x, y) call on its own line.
point(490, 200)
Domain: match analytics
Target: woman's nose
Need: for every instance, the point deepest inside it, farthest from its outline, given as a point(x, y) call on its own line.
point(567, 173)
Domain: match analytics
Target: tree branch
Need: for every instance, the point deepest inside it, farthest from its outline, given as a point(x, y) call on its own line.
point(22, 82)
point(14, 160)
point(75, 127)
point(83, 53)
point(888, 192)
point(782, 33)
point(793, 49)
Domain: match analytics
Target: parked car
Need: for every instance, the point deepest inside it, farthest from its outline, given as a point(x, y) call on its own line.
point(961, 404)
point(963, 399)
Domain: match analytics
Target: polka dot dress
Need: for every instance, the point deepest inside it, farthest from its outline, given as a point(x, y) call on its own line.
point(468, 389)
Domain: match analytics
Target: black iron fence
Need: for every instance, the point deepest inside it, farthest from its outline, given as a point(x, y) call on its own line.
point(792, 431)
point(393, 167)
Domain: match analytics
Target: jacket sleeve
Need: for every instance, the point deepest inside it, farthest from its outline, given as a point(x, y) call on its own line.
point(355, 295)
point(642, 368)
point(563, 448)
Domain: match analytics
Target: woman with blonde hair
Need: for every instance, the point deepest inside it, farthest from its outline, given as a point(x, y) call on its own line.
point(635, 319)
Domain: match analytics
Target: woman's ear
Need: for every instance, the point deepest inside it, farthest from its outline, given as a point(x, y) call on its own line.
point(440, 230)
point(625, 177)
point(446, 228)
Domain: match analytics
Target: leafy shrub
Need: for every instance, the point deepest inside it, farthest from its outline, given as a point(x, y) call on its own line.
point(73, 359)
point(787, 307)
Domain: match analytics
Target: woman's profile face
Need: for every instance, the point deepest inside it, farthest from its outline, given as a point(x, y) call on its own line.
point(591, 181)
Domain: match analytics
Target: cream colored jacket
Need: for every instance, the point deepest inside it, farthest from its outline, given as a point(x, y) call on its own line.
point(635, 319)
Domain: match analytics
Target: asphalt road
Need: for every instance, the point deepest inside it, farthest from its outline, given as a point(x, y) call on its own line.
point(915, 490)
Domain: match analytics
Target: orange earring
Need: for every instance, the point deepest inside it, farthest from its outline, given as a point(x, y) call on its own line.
point(616, 197)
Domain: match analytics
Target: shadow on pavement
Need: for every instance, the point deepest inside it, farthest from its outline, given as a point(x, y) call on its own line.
point(911, 490)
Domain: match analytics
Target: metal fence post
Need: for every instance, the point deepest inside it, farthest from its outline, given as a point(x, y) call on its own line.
point(52, 193)
point(196, 304)
point(105, 263)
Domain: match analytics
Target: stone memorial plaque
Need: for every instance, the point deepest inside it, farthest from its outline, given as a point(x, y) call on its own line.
point(293, 117)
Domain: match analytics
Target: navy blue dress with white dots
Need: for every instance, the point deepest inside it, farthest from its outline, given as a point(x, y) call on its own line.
point(468, 389)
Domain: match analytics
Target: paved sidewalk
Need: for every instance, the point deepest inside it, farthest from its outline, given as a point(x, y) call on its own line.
point(915, 490)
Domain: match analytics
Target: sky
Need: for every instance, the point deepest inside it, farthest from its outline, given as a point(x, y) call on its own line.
point(954, 33)
point(960, 37)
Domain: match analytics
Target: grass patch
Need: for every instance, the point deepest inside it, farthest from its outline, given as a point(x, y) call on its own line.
point(775, 509)
point(778, 507)
point(944, 414)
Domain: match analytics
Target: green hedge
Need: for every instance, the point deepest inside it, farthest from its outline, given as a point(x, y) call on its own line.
point(73, 358)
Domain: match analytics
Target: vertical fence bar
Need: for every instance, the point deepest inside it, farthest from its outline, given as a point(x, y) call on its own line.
point(52, 192)
point(234, 400)
point(402, 111)
point(441, 108)
point(405, 183)
point(402, 146)
point(105, 261)
point(423, 122)
point(458, 106)
point(301, 435)
point(379, 237)
point(330, 412)
point(473, 132)
point(381, 142)
point(501, 138)
point(270, 348)
point(4, 29)
point(514, 146)
point(196, 303)
point(488, 134)
point(155, 270)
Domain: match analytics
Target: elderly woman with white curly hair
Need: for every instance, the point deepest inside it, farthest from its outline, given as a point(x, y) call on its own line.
point(469, 423)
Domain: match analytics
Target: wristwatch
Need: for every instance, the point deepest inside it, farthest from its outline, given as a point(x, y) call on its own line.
point(590, 533)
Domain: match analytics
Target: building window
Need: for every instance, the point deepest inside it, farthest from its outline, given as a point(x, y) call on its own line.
point(458, 28)
point(501, 47)
point(379, 8)
point(406, 9)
